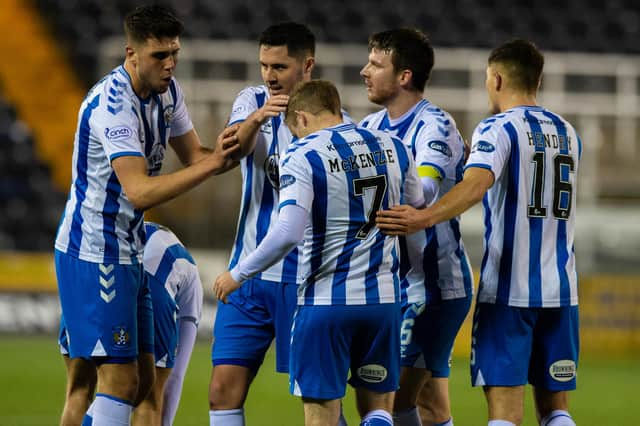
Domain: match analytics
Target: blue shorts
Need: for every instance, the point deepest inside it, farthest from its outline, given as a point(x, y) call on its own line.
point(145, 325)
point(328, 341)
point(165, 323)
point(511, 346)
point(246, 325)
point(428, 333)
point(100, 308)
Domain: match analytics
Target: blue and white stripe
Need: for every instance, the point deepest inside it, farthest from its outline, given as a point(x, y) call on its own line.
point(529, 260)
point(99, 223)
point(439, 269)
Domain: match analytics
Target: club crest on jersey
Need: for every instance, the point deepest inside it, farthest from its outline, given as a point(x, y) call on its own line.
point(118, 133)
point(271, 170)
point(168, 115)
point(121, 337)
point(372, 373)
point(266, 128)
point(154, 160)
point(441, 147)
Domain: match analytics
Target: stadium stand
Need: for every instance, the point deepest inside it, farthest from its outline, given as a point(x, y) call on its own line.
point(560, 25)
point(29, 204)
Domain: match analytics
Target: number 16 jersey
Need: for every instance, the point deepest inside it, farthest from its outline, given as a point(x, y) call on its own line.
point(529, 211)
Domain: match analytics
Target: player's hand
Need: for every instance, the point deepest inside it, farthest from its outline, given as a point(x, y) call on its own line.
point(224, 286)
point(399, 220)
point(227, 145)
point(273, 107)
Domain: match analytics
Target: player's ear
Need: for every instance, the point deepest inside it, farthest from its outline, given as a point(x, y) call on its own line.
point(302, 121)
point(308, 65)
point(130, 53)
point(498, 82)
point(405, 78)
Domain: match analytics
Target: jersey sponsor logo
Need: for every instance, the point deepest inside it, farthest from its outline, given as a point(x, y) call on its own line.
point(441, 147)
point(121, 337)
point(286, 180)
point(563, 370)
point(372, 373)
point(118, 133)
point(484, 146)
point(271, 170)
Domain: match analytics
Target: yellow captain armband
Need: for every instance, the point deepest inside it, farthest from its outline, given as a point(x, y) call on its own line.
point(429, 171)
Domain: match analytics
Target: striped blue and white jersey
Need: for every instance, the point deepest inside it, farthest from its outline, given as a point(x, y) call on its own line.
point(169, 263)
point(530, 209)
point(342, 176)
point(436, 267)
point(259, 203)
point(99, 223)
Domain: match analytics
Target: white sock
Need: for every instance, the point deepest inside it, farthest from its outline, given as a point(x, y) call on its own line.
point(233, 417)
point(500, 423)
point(110, 411)
point(87, 420)
point(377, 418)
point(558, 418)
point(341, 420)
point(447, 423)
point(409, 417)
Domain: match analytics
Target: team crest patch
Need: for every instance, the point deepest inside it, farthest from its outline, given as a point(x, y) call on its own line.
point(168, 115)
point(121, 337)
point(563, 370)
point(271, 170)
point(372, 373)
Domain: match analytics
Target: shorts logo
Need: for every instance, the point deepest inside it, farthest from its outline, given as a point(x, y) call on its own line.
point(121, 337)
point(372, 373)
point(484, 146)
point(563, 370)
point(118, 133)
point(286, 180)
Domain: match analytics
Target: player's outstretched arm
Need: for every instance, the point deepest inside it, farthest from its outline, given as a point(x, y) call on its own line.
point(405, 220)
point(189, 149)
point(145, 191)
point(279, 241)
point(248, 129)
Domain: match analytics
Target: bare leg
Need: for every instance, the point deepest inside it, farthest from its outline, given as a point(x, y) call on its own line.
point(229, 386)
point(81, 384)
point(149, 412)
point(505, 403)
point(433, 401)
point(321, 412)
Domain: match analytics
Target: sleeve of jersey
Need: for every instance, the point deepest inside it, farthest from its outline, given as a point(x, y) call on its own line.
point(296, 181)
point(490, 149)
point(189, 299)
point(180, 122)
point(280, 240)
point(433, 153)
point(117, 130)
point(244, 105)
point(413, 194)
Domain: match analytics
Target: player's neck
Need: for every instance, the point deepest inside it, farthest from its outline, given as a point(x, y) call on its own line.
point(321, 121)
point(402, 103)
point(136, 84)
point(517, 99)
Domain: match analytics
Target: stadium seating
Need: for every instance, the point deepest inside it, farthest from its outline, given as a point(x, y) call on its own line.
point(563, 25)
point(29, 205)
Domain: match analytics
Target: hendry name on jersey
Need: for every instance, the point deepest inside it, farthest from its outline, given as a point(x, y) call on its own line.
point(361, 161)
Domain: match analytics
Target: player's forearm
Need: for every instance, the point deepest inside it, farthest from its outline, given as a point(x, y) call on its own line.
point(187, 335)
point(461, 198)
point(150, 191)
point(248, 132)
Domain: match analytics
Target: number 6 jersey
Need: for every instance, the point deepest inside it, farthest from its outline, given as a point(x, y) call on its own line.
point(529, 211)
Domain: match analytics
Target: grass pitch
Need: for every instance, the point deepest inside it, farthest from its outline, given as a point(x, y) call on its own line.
point(32, 380)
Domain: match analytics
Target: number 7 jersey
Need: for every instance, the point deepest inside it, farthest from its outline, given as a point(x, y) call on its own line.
point(342, 176)
point(529, 258)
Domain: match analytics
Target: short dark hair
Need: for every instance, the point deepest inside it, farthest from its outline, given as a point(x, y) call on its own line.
point(410, 50)
point(298, 38)
point(314, 97)
point(523, 63)
point(151, 21)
